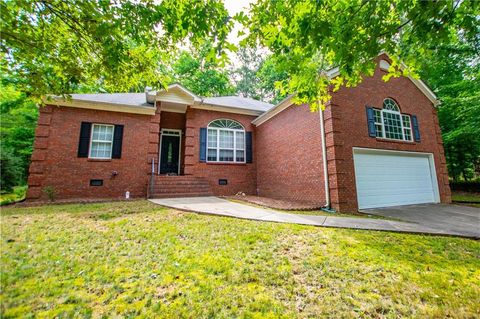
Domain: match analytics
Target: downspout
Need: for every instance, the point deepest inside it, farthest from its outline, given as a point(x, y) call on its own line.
point(326, 207)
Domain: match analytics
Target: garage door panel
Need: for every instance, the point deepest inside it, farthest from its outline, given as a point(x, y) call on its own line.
point(391, 179)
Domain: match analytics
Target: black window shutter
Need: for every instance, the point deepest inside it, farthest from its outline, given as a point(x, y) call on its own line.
point(203, 144)
point(117, 141)
point(248, 146)
point(372, 130)
point(84, 141)
point(416, 130)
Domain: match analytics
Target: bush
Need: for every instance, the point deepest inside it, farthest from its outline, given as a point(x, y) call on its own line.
point(18, 194)
point(10, 169)
point(470, 187)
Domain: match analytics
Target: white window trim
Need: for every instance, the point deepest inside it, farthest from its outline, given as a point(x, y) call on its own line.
point(100, 141)
point(234, 149)
point(384, 133)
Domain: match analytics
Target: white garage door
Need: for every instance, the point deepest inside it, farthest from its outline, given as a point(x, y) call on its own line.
point(386, 178)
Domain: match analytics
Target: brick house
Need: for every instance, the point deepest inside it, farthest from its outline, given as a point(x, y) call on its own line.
point(378, 144)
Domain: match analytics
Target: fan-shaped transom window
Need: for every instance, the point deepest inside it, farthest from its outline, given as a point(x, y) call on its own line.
point(225, 141)
point(390, 123)
point(390, 105)
point(226, 124)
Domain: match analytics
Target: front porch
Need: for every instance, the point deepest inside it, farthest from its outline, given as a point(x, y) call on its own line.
point(178, 164)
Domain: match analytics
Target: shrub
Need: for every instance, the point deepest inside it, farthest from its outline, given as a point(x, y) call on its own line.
point(10, 169)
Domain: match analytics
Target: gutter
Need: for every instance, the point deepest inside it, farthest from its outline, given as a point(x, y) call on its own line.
point(326, 207)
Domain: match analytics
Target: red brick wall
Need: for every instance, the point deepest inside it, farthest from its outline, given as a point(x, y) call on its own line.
point(241, 177)
point(55, 162)
point(346, 127)
point(289, 156)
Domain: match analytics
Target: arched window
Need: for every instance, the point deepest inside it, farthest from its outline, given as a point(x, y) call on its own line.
point(392, 124)
point(390, 105)
point(225, 141)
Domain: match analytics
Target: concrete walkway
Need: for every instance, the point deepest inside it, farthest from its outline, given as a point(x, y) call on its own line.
point(217, 206)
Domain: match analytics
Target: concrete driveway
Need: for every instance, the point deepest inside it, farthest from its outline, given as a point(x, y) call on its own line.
point(442, 217)
point(218, 206)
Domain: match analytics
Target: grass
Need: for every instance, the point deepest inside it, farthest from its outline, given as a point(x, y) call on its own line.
point(311, 212)
point(471, 199)
point(136, 259)
point(18, 194)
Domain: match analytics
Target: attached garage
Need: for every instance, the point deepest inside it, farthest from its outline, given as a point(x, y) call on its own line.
point(392, 178)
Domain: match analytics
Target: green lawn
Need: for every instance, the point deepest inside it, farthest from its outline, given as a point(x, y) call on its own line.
point(471, 199)
point(15, 196)
point(312, 212)
point(137, 259)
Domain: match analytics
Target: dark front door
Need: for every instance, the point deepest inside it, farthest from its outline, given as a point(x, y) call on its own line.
point(170, 152)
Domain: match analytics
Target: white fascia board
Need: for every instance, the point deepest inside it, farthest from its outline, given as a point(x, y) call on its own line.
point(226, 109)
point(282, 105)
point(195, 97)
point(102, 106)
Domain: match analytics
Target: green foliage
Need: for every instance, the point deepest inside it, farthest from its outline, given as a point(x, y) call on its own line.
point(271, 75)
point(137, 259)
point(50, 192)
point(10, 169)
point(309, 37)
point(63, 46)
point(256, 76)
point(203, 76)
point(18, 194)
point(245, 76)
point(18, 119)
point(453, 71)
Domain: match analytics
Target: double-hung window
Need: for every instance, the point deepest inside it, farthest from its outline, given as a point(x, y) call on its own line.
point(391, 124)
point(225, 141)
point(101, 142)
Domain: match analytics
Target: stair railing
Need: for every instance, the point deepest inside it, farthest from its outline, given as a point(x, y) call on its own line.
point(152, 175)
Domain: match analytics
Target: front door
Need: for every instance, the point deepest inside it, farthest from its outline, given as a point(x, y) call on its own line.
point(170, 154)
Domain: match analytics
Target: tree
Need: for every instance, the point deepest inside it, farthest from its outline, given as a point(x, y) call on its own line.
point(18, 119)
point(62, 46)
point(453, 71)
point(271, 76)
point(257, 75)
point(246, 75)
point(202, 75)
point(309, 37)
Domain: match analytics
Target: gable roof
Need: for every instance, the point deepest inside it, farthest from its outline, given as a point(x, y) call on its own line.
point(134, 99)
point(238, 102)
point(143, 103)
point(383, 64)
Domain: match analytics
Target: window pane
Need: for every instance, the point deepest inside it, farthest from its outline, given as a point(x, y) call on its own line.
point(108, 133)
point(379, 130)
point(226, 124)
point(240, 156)
point(101, 150)
point(377, 114)
point(408, 134)
point(240, 140)
point(102, 132)
point(212, 138)
point(212, 155)
point(406, 121)
point(226, 156)
point(393, 126)
point(226, 139)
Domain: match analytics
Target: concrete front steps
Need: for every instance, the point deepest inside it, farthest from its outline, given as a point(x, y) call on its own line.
point(179, 186)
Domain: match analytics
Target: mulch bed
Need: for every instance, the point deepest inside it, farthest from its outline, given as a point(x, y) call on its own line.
point(275, 203)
